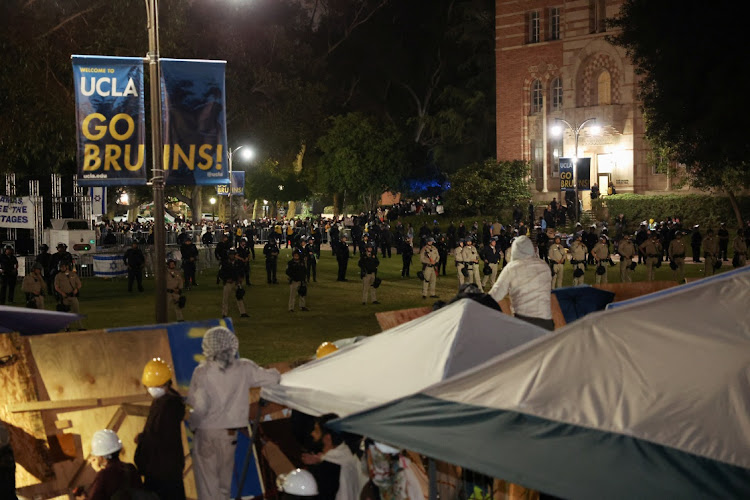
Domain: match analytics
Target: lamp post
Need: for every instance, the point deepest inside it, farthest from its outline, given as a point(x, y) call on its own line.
point(576, 129)
point(247, 154)
point(212, 201)
point(157, 170)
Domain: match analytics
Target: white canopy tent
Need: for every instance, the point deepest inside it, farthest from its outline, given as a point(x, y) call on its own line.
point(647, 400)
point(402, 360)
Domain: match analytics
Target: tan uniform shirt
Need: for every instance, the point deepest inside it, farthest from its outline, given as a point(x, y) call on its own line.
point(33, 284)
point(459, 255)
point(470, 255)
point(600, 251)
point(651, 248)
point(174, 281)
point(557, 253)
point(67, 283)
point(429, 255)
point(676, 247)
point(626, 249)
point(711, 246)
point(578, 251)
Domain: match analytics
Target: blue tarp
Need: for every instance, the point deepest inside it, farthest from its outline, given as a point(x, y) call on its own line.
point(578, 301)
point(34, 321)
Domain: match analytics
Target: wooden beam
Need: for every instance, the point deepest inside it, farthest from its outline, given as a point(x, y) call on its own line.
point(63, 424)
point(66, 404)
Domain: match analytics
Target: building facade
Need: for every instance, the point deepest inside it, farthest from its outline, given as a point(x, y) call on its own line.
point(553, 61)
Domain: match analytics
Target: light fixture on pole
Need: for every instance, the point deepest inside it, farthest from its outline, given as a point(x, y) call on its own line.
point(212, 201)
point(557, 131)
point(247, 154)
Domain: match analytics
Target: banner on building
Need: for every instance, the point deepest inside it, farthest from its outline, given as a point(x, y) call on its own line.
point(194, 122)
point(98, 200)
point(238, 185)
point(583, 174)
point(17, 212)
point(566, 174)
point(110, 120)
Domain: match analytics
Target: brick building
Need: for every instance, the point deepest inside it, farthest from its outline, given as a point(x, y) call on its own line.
point(553, 61)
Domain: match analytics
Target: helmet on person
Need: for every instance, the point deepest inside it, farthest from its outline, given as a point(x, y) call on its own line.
point(37, 265)
point(156, 372)
point(325, 349)
point(232, 251)
point(386, 449)
point(44, 248)
point(105, 442)
point(171, 261)
point(9, 247)
point(299, 482)
point(61, 245)
point(430, 240)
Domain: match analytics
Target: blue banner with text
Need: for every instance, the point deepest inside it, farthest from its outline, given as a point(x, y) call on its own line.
point(194, 122)
point(110, 120)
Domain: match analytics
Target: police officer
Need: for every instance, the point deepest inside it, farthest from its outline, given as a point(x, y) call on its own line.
point(297, 273)
point(600, 252)
point(651, 249)
point(33, 286)
point(542, 243)
point(44, 259)
point(557, 260)
point(368, 264)
point(578, 252)
point(311, 262)
point(710, 253)
point(271, 252)
point(8, 274)
point(342, 257)
point(677, 257)
point(189, 255)
point(68, 286)
point(458, 256)
point(174, 289)
point(221, 252)
point(231, 274)
point(407, 252)
point(696, 241)
point(723, 235)
point(243, 255)
point(429, 257)
point(740, 250)
point(627, 252)
point(471, 260)
point(62, 255)
point(491, 255)
point(442, 248)
point(135, 260)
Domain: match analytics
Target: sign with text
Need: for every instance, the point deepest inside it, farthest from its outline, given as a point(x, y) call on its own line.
point(194, 122)
point(16, 212)
point(238, 185)
point(583, 174)
point(110, 120)
point(566, 174)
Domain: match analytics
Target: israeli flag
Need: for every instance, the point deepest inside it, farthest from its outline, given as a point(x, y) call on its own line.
point(98, 200)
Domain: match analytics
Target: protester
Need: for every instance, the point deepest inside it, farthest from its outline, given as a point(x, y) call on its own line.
point(114, 477)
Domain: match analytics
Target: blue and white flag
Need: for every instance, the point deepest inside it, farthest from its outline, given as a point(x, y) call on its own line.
point(98, 200)
point(109, 266)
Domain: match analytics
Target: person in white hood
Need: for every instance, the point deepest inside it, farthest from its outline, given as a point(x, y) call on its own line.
point(528, 281)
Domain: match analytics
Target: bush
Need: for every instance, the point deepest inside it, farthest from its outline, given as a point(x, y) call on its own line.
point(706, 210)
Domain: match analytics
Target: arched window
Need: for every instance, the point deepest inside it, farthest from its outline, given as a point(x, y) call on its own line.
point(557, 94)
point(536, 96)
point(604, 88)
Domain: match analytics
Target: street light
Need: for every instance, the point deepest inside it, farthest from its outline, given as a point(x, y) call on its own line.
point(212, 201)
point(557, 131)
point(247, 154)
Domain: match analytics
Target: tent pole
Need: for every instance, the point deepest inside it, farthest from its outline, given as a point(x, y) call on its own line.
point(432, 475)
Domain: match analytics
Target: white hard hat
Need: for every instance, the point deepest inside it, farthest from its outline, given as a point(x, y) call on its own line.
point(299, 482)
point(387, 449)
point(105, 442)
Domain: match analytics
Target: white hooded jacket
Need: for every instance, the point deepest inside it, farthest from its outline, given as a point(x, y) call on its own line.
point(528, 281)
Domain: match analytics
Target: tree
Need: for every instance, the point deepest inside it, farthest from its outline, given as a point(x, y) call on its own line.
point(686, 58)
point(361, 158)
point(489, 187)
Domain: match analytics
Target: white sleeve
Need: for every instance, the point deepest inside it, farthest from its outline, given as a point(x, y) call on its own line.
point(199, 398)
point(262, 377)
point(500, 289)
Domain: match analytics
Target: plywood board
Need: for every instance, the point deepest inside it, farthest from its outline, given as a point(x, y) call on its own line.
point(625, 291)
point(28, 436)
point(391, 319)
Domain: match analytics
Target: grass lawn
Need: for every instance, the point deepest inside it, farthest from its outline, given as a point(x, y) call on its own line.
point(272, 333)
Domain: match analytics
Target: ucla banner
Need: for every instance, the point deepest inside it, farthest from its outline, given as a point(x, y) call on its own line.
point(583, 174)
point(566, 174)
point(110, 120)
point(238, 185)
point(194, 122)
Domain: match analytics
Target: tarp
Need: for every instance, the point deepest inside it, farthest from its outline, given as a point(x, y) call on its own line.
point(33, 321)
point(649, 400)
point(578, 301)
point(402, 360)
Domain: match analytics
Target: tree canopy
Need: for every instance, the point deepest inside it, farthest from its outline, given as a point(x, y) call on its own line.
point(489, 187)
point(687, 58)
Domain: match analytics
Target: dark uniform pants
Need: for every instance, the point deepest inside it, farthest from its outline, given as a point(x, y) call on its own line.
point(8, 287)
point(189, 269)
point(343, 263)
point(312, 268)
point(271, 270)
point(406, 265)
point(135, 274)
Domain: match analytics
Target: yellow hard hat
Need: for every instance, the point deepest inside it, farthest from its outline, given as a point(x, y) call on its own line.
point(651, 221)
point(156, 373)
point(325, 349)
